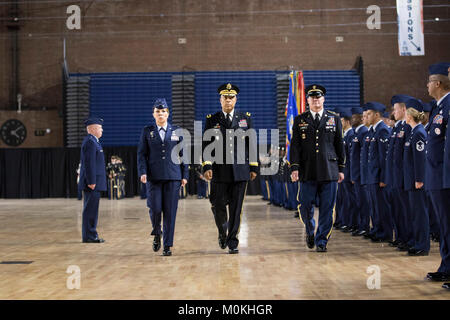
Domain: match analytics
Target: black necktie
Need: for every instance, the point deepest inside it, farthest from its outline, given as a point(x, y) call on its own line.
point(228, 120)
point(317, 120)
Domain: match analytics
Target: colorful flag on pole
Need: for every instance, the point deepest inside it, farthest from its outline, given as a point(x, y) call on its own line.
point(291, 110)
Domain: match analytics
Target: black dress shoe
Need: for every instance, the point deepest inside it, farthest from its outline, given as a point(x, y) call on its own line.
point(355, 233)
point(321, 248)
point(157, 243)
point(343, 228)
point(438, 276)
point(348, 229)
point(362, 233)
point(415, 253)
point(233, 251)
point(296, 215)
point(394, 243)
point(98, 240)
point(222, 242)
point(310, 241)
point(167, 252)
point(446, 285)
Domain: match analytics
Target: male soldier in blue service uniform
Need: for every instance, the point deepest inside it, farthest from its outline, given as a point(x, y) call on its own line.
point(92, 178)
point(318, 160)
point(162, 176)
point(376, 173)
point(437, 175)
point(229, 180)
point(362, 205)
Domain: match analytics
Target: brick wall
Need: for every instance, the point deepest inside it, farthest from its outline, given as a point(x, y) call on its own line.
point(141, 35)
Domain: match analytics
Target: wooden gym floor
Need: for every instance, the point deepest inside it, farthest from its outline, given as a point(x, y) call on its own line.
point(273, 263)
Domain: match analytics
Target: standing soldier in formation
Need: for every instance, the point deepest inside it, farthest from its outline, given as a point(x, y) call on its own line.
point(362, 205)
point(437, 175)
point(414, 177)
point(229, 180)
point(376, 173)
point(92, 178)
point(317, 159)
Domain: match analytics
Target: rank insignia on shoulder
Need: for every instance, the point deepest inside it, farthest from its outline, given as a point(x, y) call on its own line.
point(208, 116)
point(333, 113)
point(248, 114)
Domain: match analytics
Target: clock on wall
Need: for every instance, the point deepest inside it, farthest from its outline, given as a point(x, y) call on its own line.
point(13, 132)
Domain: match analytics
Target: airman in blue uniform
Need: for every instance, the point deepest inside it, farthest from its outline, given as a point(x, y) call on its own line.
point(394, 175)
point(349, 212)
point(92, 178)
point(438, 163)
point(376, 174)
point(317, 157)
point(163, 175)
point(362, 205)
point(428, 109)
point(229, 180)
point(414, 177)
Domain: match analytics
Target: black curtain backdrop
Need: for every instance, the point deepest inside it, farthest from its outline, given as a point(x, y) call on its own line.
point(51, 173)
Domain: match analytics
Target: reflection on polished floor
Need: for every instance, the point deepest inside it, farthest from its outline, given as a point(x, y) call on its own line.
point(273, 263)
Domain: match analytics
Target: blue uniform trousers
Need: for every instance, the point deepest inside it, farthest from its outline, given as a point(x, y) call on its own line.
point(434, 220)
point(264, 188)
point(401, 214)
point(90, 214)
point(348, 205)
point(201, 188)
point(162, 200)
point(441, 203)
point(381, 217)
point(362, 206)
point(419, 220)
point(339, 213)
point(327, 199)
point(293, 193)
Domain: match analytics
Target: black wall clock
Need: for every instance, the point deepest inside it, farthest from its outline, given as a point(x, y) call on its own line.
point(13, 132)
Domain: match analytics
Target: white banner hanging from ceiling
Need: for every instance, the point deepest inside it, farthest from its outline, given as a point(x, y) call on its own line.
point(410, 28)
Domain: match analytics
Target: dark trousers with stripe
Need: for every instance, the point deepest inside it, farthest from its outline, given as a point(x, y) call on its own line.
point(162, 201)
point(420, 221)
point(231, 194)
point(339, 210)
point(327, 199)
point(90, 214)
point(441, 204)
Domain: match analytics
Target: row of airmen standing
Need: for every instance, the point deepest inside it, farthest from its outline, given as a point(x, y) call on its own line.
point(397, 180)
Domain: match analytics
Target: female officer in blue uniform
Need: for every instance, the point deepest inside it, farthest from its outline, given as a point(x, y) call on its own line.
point(162, 175)
point(414, 177)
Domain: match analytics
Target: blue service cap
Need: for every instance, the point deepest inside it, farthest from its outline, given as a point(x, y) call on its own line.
point(357, 110)
point(345, 113)
point(93, 120)
point(439, 68)
point(386, 114)
point(414, 103)
point(160, 103)
point(400, 98)
point(376, 106)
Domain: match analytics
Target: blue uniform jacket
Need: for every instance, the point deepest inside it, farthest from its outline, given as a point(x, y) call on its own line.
point(434, 170)
point(414, 157)
point(445, 105)
point(92, 161)
point(355, 153)
point(376, 168)
point(365, 142)
point(154, 155)
point(390, 153)
point(398, 150)
point(348, 138)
